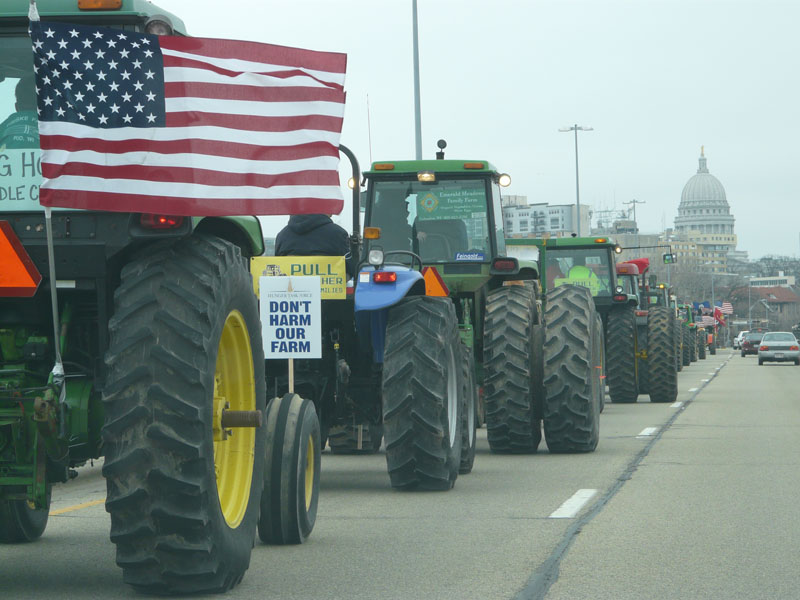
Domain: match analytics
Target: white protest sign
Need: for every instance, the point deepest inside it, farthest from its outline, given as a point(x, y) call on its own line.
point(290, 317)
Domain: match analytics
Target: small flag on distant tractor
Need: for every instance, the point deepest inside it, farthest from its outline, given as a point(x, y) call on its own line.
point(186, 126)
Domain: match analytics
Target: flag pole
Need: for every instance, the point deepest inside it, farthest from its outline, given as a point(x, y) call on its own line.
point(58, 368)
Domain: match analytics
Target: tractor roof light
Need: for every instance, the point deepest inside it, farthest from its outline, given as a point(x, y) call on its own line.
point(99, 4)
point(351, 183)
point(383, 166)
point(426, 177)
point(600, 240)
point(504, 180)
point(158, 25)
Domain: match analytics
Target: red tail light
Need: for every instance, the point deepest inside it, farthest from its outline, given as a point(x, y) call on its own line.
point(504, 265)
point(151, 221)
point(794, 348)
point(640, 313)
point(763, 348)
point(620, 298)
point(384, 277)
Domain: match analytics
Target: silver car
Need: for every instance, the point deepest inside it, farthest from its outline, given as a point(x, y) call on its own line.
point(779, 346)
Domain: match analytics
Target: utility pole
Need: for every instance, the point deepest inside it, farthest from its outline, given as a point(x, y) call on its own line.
point(634, 202)
point(417, 109)
point(576, 128)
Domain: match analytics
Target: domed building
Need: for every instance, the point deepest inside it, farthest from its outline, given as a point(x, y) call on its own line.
point(704, 218)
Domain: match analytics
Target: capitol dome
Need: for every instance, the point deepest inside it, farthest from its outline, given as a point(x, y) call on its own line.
point(704, 206)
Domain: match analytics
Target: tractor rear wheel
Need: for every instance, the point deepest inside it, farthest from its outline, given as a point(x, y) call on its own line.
point(185, 346)
point(661, 355)
point(621, 355)
point(291, 476)
point(573, 386)
point(599, 360)
point(510, 356)
point(693, 344)
point(19, 523)
point(422, 394)
point(701, 345)
point(686, 341)
point(469, 411)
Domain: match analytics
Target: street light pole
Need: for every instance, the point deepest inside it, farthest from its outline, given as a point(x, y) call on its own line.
point(576, 128)
point(749, 304)
point(417, 109)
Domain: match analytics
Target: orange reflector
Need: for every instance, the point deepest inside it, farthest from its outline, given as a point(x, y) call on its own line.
point(372, 233)
point(600, 240)
point(640, 313)
point(19, 277)
point(99, 4)
point(384, 276)
point(434, 284)
point(474, 165)
point(383, 166)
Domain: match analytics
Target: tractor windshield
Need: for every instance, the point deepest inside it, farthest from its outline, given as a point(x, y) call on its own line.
point(588, 267)
point(442, 222)
point(19, 132)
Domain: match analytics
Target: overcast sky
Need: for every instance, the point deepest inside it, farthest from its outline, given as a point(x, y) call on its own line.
point(655, 79)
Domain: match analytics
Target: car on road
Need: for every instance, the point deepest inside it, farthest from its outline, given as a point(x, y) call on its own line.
point(750, 342)
point(779, 346)
point(737, 341)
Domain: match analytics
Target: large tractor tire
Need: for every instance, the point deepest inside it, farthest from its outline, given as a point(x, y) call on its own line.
point(469, 411)
point(344, 439)
point(712, 348)
point(185, 345)
point(571, 379)
point(422, 391)
point(599, 357)
point(19, 523)
point(678, 332)
point(686, 341)
point(701, 344)
point(621, 355)
point(693, 344)
point(291, 477)
point(661, 355)
point(510, 355)
point(642, 361)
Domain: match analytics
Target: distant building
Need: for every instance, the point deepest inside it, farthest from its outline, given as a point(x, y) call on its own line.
point(538, 220)
point(704, 223)
point(779, 280)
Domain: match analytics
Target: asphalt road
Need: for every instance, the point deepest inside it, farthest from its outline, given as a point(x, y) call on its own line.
point(692, 500)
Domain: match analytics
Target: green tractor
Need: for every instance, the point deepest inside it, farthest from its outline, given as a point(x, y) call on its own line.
point(159, 365)
point(445, 216)
point(590, 263)
point(655, 331)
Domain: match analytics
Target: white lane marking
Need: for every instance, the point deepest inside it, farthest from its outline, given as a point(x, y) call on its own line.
point(676, 405)
point(712, 373)
point(573, 505)
point(647, 432)
point(705, 380)
point(693, 389)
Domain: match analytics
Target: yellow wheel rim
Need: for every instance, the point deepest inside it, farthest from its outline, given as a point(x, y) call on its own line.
point(310, 467)
point(234, 389)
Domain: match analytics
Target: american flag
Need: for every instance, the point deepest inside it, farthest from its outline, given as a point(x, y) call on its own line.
point(706, 320)
point(186, 126)
point(727, 308)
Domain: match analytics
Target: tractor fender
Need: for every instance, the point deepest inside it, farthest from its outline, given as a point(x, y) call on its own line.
point(373, 300)
point(375, 296)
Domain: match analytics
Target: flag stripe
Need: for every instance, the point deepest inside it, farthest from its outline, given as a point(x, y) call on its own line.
point(209, 75)
point(187, 190)
point(257, 109)
point(159, 162)
point(293, 203)
point(191, 175)
point(328, 63)
point(131, 151)
point(222, 91)
point(279, 137)
point(313, 125)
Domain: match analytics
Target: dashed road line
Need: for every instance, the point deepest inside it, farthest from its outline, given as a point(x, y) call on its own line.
point(647, 432)
point(677, 404)
point(573, 505)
